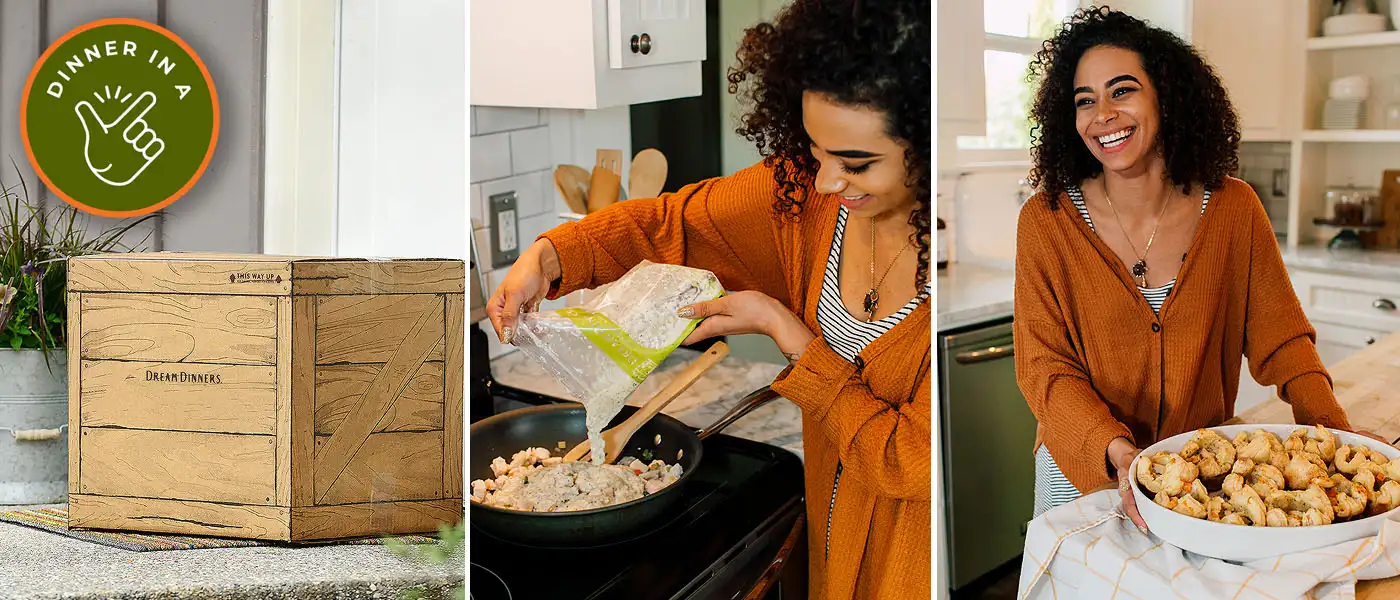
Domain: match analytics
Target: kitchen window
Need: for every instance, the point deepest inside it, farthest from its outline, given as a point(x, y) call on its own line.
point(1015, 30)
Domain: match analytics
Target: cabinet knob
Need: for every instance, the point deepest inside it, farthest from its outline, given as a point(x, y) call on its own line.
point(1383, 304)
point(1370, 340)
point(636, 44)
point(646, 43)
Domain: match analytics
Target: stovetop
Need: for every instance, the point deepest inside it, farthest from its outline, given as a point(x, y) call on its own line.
point(739, 505)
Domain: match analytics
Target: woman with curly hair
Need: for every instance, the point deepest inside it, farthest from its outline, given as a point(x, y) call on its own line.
point(824, 244)
point(1144, 270)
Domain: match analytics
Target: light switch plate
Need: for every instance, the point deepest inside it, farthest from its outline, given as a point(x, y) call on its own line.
point(505, 229)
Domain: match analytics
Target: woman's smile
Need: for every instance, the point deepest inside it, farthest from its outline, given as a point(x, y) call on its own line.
point(1115, 141)
point(856, 202)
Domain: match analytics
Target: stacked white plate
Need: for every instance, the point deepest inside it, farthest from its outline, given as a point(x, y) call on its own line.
point(1340, 113)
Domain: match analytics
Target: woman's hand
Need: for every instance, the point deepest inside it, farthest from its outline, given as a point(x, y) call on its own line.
point(749, 312)
point(526, 284)
point(1121, 453)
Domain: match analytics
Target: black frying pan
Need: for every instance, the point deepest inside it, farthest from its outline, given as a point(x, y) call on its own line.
point(544, 427)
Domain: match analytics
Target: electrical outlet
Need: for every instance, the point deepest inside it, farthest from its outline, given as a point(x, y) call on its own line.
point(505, 229)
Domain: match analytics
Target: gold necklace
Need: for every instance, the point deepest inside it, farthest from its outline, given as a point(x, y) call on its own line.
point(872, 297)
point(1140, 267)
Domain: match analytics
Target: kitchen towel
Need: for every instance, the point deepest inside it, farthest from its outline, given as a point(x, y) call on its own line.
point(1089, 549)
point(55, 520)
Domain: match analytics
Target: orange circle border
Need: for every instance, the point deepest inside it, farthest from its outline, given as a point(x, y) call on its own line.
point(24, 121)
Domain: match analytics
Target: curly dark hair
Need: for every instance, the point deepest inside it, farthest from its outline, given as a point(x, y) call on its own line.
point(1199, 135)
point(870, 53)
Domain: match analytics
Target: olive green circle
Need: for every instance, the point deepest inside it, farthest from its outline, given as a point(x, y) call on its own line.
point(110, 67)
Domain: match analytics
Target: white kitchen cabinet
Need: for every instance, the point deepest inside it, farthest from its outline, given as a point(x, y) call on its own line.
point(962, 87)
point(1348, 312)
point(1255, 47)
point(585, 54)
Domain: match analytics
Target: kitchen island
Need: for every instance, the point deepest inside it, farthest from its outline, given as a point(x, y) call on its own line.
point(778, 423)
point(1367, 385)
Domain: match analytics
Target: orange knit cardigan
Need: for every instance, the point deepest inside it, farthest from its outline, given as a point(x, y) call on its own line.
point(874, 420)
point(1095, 363)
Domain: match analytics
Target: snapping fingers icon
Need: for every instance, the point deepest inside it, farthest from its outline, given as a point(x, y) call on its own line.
point(119, 161)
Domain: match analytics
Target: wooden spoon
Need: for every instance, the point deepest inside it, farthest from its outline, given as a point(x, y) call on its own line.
point(603, 189)
point(616, 438)
point(572, 183)
point(648, 174)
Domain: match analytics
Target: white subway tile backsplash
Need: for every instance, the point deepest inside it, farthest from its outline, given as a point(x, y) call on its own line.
point(528, 195)
point(529, 150)
point(490, 157)
point(483, 247)
point(494, 119)
point(478, 208)
point(534, 227)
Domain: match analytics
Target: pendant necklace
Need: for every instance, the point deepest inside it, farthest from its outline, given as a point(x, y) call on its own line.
point(1140, 267)
point(872, 297)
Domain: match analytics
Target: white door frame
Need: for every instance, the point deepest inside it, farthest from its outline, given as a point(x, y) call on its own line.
point(300, 152)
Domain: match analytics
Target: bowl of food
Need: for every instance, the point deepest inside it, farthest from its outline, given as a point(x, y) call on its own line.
point(1250, 492)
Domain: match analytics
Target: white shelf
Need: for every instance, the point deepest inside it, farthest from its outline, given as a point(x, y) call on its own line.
point(1363, 40)
point(1352, 135)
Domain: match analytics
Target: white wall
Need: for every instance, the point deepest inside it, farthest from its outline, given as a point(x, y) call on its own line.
point(517, 149)
point(734, 17)
point(402, 131)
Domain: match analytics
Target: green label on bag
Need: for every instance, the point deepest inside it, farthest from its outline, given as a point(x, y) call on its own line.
point(636, 360)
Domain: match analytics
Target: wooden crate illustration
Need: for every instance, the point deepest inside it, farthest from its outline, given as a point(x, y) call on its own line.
point(267, 397)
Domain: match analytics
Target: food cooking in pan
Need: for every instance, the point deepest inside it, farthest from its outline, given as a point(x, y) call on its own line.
point(1260, 480)
point(536, 481)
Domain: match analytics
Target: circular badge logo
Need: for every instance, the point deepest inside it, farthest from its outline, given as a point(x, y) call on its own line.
point(119, 117)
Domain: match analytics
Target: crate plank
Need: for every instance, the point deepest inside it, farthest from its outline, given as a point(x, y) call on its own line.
point(179, 328)
point(418, 407)
point(186, 275)
point(368, 329)
point(75, 366)
point(358, 520)
point(389, 467)
point(332, 458)
point(187, 397)
point(303, 428)
point(86, 511)
point(378, 277)
point(213, 467)
point(284, 402)
point(452, 418)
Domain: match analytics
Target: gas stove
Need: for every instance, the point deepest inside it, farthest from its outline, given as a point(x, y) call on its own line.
point(741, 506)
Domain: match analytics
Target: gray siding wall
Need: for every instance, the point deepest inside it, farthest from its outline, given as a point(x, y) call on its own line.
point(223, 212)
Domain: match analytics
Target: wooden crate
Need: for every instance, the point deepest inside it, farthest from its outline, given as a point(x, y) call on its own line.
point(278, 398)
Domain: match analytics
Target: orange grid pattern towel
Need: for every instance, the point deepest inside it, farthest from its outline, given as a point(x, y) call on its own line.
point(1089, 549)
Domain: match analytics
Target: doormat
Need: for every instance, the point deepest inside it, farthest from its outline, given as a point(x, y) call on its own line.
point(55, 520)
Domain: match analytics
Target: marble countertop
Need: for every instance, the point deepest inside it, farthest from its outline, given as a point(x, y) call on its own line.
point(1378, 264)
point(969, 293)
point(778, 423)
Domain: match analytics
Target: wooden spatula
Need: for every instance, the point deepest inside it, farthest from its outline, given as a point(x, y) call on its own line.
point(616, 438)
point(607, 180)
point(572, 183)
point(648, 174)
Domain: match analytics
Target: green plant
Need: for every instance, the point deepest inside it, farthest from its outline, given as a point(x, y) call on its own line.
point(451, 545)
point(35, 244)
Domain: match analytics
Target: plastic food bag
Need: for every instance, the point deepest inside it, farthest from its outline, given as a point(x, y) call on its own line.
point(603, 350)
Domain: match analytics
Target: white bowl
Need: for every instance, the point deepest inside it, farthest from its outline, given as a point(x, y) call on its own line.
point(1352, 24)
point(1242, 543)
